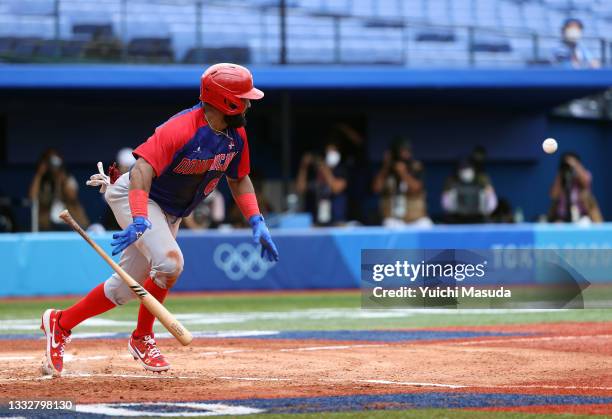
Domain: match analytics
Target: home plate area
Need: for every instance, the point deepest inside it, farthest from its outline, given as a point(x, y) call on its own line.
point(537, 368)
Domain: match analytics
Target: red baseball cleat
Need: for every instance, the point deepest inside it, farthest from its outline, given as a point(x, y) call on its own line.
point(57, 338)
point(145, 350)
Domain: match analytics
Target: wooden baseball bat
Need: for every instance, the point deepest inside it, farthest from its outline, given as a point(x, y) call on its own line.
point(155, 307)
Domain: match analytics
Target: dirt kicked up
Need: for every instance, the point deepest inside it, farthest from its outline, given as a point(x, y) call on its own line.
point(537, 368)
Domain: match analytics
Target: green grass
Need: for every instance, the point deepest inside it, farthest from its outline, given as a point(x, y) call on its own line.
point(420, 414)
point(255, 305)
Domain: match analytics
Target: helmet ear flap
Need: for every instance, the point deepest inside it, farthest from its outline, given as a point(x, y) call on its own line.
point(233, 106)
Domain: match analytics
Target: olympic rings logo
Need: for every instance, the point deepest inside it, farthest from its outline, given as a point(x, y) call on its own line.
point(240, 261)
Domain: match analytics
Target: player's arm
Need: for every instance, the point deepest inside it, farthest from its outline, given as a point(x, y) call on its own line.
point(336, 184)
point(141, 176)
point(244, 195)
point(415, 184)
point(153, 157)
point(378, 183)
point(555, 190)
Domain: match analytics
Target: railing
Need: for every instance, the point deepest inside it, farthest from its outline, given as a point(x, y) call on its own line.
point(260, 32)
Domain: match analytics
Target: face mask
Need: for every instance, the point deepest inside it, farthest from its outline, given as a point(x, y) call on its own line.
point(235, 121)
point(573, 35)
point(55, 161)
point(332, 158)
point(466, 175)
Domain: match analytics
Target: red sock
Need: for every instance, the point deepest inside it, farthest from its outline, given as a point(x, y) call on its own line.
point(145, 318)
point(91, 305)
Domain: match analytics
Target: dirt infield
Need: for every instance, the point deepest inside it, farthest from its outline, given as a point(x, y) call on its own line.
point(552, 359)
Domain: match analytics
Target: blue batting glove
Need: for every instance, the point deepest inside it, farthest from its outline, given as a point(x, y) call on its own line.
point(261, 234)
point(131, 233)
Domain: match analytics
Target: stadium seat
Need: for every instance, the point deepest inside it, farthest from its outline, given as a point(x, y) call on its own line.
point(7, 44)
point(26, 48)
point(50, 48)
point(88, 32)
point(151, 49)
point(491, 46)
point(162, 31)
point(435, 36)
point(227, 54)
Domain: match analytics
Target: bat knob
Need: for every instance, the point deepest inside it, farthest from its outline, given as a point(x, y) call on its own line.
point(65, 215)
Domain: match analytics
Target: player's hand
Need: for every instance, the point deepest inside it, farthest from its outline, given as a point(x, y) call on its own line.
point(131, 233)
point(261, 235)
point(99, 179)
point(400, 168)
point(306, 159)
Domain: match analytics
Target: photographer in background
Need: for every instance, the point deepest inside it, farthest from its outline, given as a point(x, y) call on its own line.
point(572, 199)
point(322, 183)
point(209, 214)
point(468, 195)
point(400, 184)
point(53, 189)
point(7, 218)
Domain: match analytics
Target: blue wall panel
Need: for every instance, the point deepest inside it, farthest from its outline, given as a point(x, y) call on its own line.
point(61, 263)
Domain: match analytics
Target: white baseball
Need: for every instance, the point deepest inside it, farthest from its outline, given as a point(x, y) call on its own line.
point(549, 145)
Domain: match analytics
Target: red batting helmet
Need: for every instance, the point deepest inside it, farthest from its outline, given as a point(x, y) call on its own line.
point(224, 85)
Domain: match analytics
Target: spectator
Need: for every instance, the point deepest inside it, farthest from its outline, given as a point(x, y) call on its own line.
point(355, 161)
point(479, 158)
point(468, 196)
point(400, 184)
point(7, 218)
point(572, 199)
point(572, 52)
point(53, 189)
point(210, 213)
point(323, 182)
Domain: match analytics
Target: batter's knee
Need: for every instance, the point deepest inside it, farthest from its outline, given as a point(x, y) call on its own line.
point(117, 291)
point(167, 271)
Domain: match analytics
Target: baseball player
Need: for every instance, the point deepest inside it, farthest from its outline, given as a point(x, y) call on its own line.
point(176, 168)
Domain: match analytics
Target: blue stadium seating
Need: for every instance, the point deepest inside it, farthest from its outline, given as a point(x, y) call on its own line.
point(371, 31)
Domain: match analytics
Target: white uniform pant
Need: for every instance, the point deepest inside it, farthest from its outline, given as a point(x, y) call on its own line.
point(155, 254)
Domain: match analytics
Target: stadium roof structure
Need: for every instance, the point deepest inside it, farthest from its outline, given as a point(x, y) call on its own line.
point(532, 87)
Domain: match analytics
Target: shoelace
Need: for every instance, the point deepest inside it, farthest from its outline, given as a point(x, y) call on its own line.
point(63, 341)
point(154, 351)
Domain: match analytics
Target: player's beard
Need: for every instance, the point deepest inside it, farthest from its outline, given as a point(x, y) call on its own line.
point(236, 121)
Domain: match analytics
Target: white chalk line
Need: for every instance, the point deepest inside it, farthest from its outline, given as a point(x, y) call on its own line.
point(254, 378)
point(411, 384)
point(493, 386)
point(327, 380)
point(217, 318)
point(201, 409)
point(230, 351)
point(16, 358)
point(141, 376)
point(68, 358)
point(331, 347)
point(298, 349)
